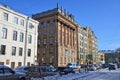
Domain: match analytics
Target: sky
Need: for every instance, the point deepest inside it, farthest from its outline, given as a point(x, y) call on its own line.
point(103, 16)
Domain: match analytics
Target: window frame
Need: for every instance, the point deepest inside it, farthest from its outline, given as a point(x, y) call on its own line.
point(4, 33)
point(3, 50)
point(5, 16)
point(16, 20)
point(15, 35)
point(13, 50)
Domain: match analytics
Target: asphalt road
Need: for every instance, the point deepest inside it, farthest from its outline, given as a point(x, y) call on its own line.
point(103, 75)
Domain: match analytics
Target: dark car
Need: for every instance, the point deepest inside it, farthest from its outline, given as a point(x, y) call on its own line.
point(40, 71)
point(112, 67)
point(104, 65)
point(65, 70)
point(7, 73)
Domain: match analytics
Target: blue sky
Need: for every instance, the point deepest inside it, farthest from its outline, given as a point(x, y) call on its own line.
point(103, 16)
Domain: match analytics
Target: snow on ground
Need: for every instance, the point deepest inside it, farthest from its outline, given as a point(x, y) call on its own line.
point(74, 76)
point(77, 76)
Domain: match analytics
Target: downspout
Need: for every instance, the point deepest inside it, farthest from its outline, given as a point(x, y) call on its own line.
point(25, 44)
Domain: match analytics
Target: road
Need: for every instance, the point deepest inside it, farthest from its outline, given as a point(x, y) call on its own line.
point(102, 75)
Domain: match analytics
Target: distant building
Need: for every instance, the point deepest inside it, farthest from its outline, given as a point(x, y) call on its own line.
point(18, 38)
point(117, 52)
point(82, 45)
point(87, 46)
point(101, 58)
point(110, 56)
point(92, 56)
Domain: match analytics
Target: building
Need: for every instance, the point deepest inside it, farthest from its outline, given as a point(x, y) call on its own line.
point(92, 56)
point(57, 37)
point(117, 52)
point(101, 58)
point(18, 38)
point(110, 56)
point(87, 46)
point(82, 45)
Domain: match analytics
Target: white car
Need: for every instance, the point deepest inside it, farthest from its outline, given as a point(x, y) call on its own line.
point(92, 68)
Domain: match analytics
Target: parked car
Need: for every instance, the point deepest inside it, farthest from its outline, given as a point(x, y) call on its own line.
point(40, 71)
point(7, 73)
point(23, 69)
point(112, 66)
point(104, 65)
point(72, 65)
point(97, 66)
point(65, 70)
point(92, 68)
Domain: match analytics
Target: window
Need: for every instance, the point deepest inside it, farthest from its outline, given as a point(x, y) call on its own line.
point(51, 32)
point(29, 52)
point(13, 51)
point(22, 22)
point(52, 22)
point(44, 50)
point(21, 37)
point(45, 24)
point(3, 49)
point(45, 41)
point(4, 33)
point(15, 35)
point(44, 33)
point(51, 40)
point(51, 60)
point(51, 49)
point(20, 51)
point(43, 60)
point(7, 71)
point(15, 20)
point(31, 25)
point(60, 60)
point(5, 15)
point(29, 39)
point(65, 60)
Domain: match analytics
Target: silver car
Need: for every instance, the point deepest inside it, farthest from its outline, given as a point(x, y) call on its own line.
point(7, 73)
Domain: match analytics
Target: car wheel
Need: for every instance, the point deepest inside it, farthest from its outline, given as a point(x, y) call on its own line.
point(22, 79)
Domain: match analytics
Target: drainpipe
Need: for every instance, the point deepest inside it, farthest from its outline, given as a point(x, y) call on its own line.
point(25, 44)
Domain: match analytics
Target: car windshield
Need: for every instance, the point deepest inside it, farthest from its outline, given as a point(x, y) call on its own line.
point(69, 64)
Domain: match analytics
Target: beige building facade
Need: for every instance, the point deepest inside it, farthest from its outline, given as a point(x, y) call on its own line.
point(101, 57)
point(87, 46)
point(18, 38)
point(92, 56)
point(82, 45)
